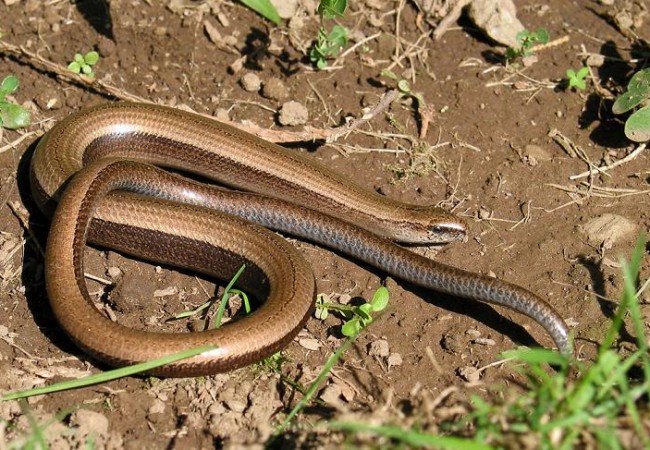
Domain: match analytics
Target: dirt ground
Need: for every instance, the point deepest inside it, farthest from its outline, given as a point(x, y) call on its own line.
point(493, 157)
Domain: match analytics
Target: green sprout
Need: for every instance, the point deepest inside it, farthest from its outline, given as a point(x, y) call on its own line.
point(12, 115)
point(526, 40)
point(637, 126)
point(329, 44)
point(578, 80)
point(404, 87)
point(357, 317)
point(559, 402)
point(83, 64)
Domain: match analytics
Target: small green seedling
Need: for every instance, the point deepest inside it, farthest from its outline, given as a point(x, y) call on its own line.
point(578, 80)
point(12, 116)
point(264, 8)
point(637, 126)
point(362, 315)
point(357, 317)
point(404, 87)
point(526, 40)
point(83, 64)
point(329, 44)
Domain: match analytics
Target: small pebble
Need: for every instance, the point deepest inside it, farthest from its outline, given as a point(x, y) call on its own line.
point(274, 89)
point(595, 60)
point(484, 214)
point(171, 290)
point(608, 229)
point(331, 395)
point(293, 113)
point(309, 343)
point(89, 422)
point(222, 115)
point(251, 82)
point(286, 8)
point(529, 60)
point(452, 344)
point(484, 341)
point(216, 409)
point(235, 405)
point(469, 374)
point(379, 348)
point(106, 47)
point(48, 99)
point(536, 152)
point(472, 332)
point(344, 299)
point(114, 272)
point(394, 359)
point(157, 407)
point(213, 33)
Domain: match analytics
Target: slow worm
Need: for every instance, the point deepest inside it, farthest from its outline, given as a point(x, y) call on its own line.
point(100, 166)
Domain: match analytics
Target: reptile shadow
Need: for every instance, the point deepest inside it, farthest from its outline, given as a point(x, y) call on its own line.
point(32, 271)
point(596, 273)
point(608, 307)
point(37, 297)
point(478, 311)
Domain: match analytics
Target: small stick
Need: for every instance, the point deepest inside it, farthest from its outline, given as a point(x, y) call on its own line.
point(602, 169)
point(554, 43)
point(383, 104)
point(354, 47)
point(450, 18)
point(15, 143)
point(278, 136)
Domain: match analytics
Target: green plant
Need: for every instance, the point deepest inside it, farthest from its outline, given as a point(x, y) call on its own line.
point(329, 44)
point(637, 125)
point(578, 80)
point(102, 377)
point(526, 40)
point(404, 87)
point(264, 8)
point(83, 64)
point(35, 436)
point(563, 403)
point(357, 319)
point(560, 408)
point(12, 116)
point(225, 297)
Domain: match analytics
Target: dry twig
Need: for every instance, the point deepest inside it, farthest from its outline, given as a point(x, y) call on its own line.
point(279, 136)
point(602, 169)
